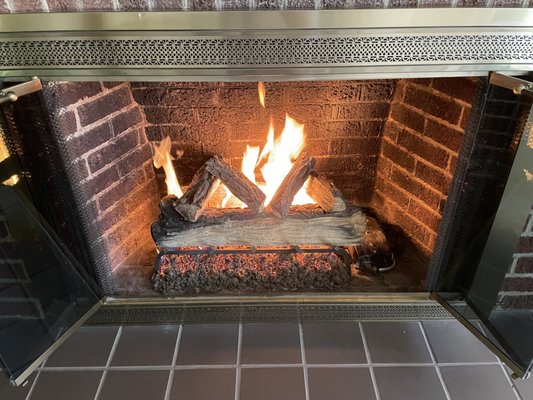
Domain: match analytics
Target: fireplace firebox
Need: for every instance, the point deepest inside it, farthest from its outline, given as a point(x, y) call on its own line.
point(320, 162)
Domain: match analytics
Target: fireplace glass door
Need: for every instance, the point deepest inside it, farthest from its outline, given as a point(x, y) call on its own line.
point(492, 259)
point(44, 295)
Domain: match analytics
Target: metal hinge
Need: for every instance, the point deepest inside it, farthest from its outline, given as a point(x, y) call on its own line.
point(12, 93)
point(517, 85)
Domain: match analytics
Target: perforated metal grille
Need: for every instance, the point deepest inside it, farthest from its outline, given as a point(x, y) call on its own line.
point(365, 49)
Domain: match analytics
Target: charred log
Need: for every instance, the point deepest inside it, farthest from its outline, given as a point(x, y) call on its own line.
point(195, 199)
point(325, 194)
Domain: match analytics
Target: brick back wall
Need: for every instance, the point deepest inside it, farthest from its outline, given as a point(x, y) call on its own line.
point(343, 122)
point(103, 128)
point(15, 6)
point(421, 140)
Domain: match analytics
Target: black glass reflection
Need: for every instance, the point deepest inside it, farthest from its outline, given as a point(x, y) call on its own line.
point(42, 293)
point(492, 261)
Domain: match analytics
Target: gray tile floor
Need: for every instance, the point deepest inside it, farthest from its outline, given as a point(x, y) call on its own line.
point(397, 360)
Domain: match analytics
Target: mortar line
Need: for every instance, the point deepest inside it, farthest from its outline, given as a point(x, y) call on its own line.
point(174, 358)
point(238, 365)
point(369, 360)
point(108, 363)
point(434, 360)
point(304, 360)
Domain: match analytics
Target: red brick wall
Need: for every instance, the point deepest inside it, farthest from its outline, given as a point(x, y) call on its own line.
point(103, 128)
point(343, 123)
point(421, 140)
point(517, 287)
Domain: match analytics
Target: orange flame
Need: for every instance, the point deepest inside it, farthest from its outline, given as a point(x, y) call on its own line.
point(262, 92)
point(162, 158)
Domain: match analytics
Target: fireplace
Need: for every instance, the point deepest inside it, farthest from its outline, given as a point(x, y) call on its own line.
point(408, 143)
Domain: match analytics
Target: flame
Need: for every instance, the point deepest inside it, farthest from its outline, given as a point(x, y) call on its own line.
point(262, 92)
point(162, 158)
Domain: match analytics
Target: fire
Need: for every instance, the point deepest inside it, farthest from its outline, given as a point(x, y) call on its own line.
point(163, 158)
point(262, 92)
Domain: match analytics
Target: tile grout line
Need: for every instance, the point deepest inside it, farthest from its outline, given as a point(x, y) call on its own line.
point(238, 365)
point(32, 388)
point(434, 360)
point(502, 366)
point(304, 360)
point(369, 361)
point(108, 363)
point(174, 358)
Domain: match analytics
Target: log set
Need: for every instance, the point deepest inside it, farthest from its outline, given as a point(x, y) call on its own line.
point(325, 194)
point(194, 200)
point(304, 225)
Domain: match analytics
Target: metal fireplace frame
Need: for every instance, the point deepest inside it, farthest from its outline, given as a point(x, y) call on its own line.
point(268, 46)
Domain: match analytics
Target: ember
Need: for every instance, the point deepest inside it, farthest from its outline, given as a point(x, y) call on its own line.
point(207, 273)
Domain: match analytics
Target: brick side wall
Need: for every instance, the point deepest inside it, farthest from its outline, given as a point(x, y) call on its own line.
point(517, 288)
point(421, 140)
point(343, 122)
point(103, 128)
point(18, 6)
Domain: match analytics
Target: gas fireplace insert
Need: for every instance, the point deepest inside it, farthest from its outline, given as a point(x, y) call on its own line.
point(304, 158)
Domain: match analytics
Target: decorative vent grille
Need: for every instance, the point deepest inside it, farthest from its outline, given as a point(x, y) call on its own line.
point(368, 49)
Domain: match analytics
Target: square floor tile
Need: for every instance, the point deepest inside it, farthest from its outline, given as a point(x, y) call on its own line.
point(453, 343)
point(66, 385)
point(14, 393)
point(129, 385)
point(333, 343)
point(409, 383)
point(272, 384)
point(146, 345)
point(87, 347)
point(203, 384)
point(396, 342)
point(271, 343)
point(480, 382)
point(340, 384)
point(208, 344)
point(525, 387)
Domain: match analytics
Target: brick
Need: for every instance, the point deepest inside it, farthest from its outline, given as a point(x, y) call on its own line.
point(27, 6)
point(269, 4)
point(96, 5)
point(125, 185)
point(334, 4)
point(332, 129)
point(403, 3)
point(103, 106)
point(102, 181)
point(66, 124)
point(80, 169)
point(508, 3)
point(347, 93)
point(399, 156)
point(167, 5)
point(417, 189)
point(61, 5)
point(433, 104)
point(444, 135)
point(384, 167)
point(392, 193)
point(459, 88)
point(452, 164)
point(87, 141)
point(355, 146)
point(126, 120)
point(235, 5)
point(518, 284)
point(517, 302)
point(434, 3)
point(424, 149)
point(300, 4)
point(391, 130)
point(524, 265)
point(246, 96)
point(334, 164)
point(377, 91)
point(362, 111)
point(421, 213)
point(411, 227)
point(164, 96)
point(525, 244)
point(112, 216)
point(318, 147)
point(113, 150)
point(3, 7)
point(66, 93)
point(310, 112)
point(433, 177)
point(133, 5)
point(166, 115)
point(471, 3)
point(135, 159)
point(407, 117)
